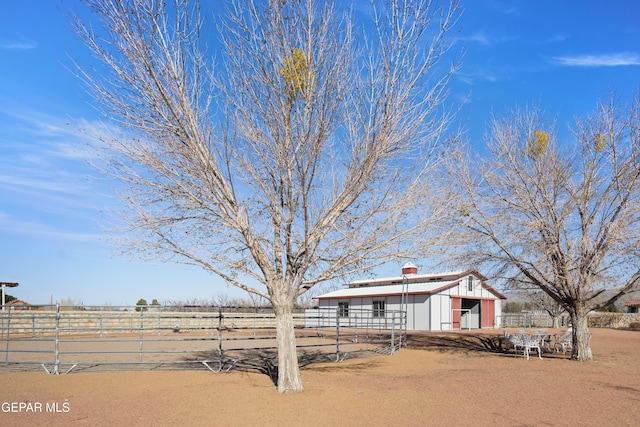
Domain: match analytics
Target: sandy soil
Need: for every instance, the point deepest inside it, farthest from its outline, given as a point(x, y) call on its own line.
point(441, 379)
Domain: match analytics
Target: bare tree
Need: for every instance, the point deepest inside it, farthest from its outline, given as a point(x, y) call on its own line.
point(543, 301)
point(222, 300)
point(539, 299)
point(559, 217)
point(302, 156)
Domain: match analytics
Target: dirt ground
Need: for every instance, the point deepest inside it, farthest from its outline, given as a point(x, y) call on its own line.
point(440, 379)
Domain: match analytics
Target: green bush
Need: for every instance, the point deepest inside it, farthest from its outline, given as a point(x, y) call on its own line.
point(141, 304)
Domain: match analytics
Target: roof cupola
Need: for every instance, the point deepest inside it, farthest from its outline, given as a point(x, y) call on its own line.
point(409, 268)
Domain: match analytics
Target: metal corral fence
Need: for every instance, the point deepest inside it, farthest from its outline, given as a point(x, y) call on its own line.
point(357, 324)
point(531, 320)
point(594, 319)
point(63, 338)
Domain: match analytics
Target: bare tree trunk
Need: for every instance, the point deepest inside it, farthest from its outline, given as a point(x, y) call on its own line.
point(289, 379)
point(580, 349)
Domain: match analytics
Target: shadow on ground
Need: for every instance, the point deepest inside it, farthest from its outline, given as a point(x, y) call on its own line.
point(474, 342)
point(457, 342)
point(265, 361)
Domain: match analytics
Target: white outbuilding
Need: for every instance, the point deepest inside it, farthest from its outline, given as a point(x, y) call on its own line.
point(433, 302)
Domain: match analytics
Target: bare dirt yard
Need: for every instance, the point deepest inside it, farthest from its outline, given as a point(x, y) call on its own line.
point(440, 380)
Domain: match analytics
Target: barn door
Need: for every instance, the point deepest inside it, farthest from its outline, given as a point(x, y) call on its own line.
point(488, 313)
point(456, 304)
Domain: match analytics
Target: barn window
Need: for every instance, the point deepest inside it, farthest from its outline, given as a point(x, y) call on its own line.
point(378, 308)
point(470, 283)
point(343, 309)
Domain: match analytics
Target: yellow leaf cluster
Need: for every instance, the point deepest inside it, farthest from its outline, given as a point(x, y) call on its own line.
point(599, 142)
point(538, 143)
point(294, 72)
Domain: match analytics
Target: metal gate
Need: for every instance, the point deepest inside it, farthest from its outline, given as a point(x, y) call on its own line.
point(60, 339)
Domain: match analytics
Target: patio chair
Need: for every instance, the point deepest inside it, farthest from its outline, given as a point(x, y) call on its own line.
point(514, 339)
point(525, 342)
point(507, 340)
point(530, 343)
point(544, 337)
point(566, 341)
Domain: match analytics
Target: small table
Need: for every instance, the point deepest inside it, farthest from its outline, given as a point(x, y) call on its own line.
point(545, 337)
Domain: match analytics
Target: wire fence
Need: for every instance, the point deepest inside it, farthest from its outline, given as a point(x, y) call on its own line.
point(60, 339)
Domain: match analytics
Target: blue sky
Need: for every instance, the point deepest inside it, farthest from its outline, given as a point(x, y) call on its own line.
point(561, 55)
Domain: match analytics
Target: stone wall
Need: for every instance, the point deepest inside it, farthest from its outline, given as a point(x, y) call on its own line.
point(613, 320)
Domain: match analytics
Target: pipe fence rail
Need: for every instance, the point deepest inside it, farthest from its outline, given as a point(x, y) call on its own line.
point(594, 320)
point(61, 338)
point(531, 320)
point(387, 327)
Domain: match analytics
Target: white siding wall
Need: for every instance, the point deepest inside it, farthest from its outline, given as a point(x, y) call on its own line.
point(418, 312)
point(444, 321)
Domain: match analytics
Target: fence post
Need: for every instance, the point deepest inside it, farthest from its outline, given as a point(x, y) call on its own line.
point(337, 335)
point(368, 324)
point(220, 317)
point(56, 359)
point(356, 327)
point(404, 320)
point(141, 330)
point(6, 354)
point(393, 331)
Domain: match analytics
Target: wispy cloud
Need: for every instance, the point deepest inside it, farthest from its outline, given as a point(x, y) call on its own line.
point(474, 76)
point(485, 39)
point(48, 135)
point(12, 225)
point(605, 60)
point(73, 187)
point(479, 37)
point(69, 196)
point(18, 45)
point(44, 170)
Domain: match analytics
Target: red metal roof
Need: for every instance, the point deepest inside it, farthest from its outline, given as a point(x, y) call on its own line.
point(16, 302)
